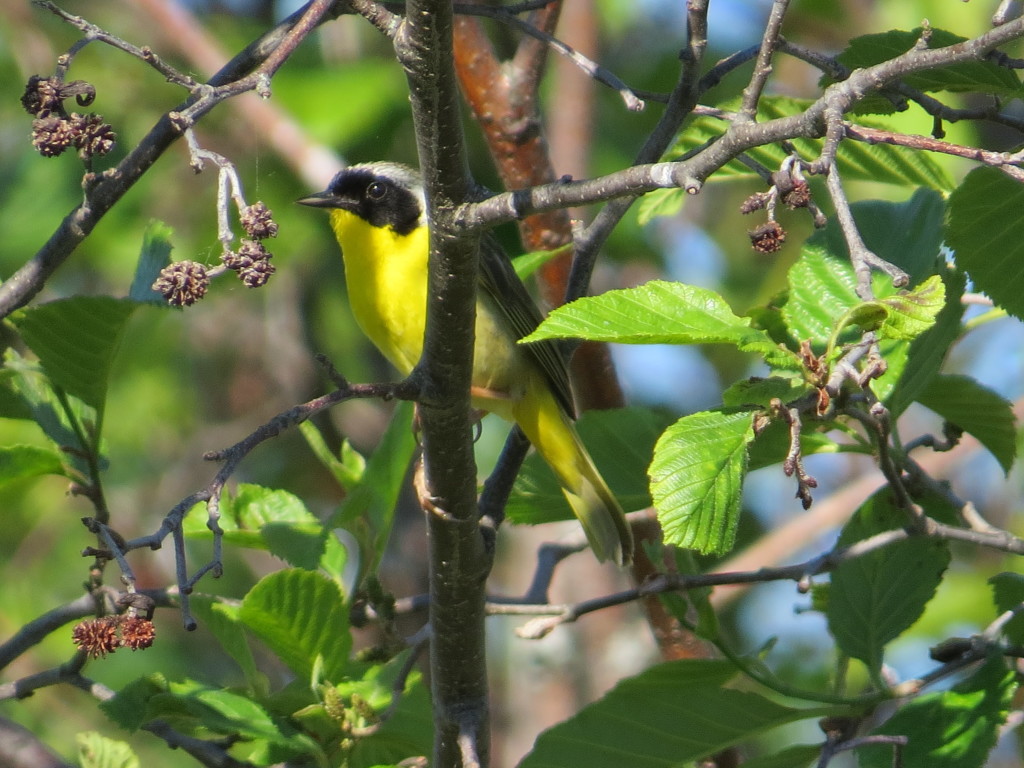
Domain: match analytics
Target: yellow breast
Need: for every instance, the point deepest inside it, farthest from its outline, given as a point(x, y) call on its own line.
point(386, 275)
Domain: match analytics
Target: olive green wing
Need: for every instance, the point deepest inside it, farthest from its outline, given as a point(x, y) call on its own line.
point(500, 281)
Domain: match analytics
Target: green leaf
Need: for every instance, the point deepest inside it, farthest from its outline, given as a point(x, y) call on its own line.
point(76, 340)
point(697, 479)
point(976, 409)
point(226, 712)
point(621, 442)
point(245, 512)
point(772, 445)
point(928, 351)
point(857, 161)
point(198, 709)
point(298, 544)
point(224, 621)
point(347, 467)
point(657, 312)
point(129, 707)
point(756, 391)
point(660, 202)
point(155, 255)
point(13, 405)
point(97, 751)
point(822, 299)
point(53, 415)
point(528, 263)
point(670, 715)
point(876, 597)
point(409, 729)
point(969, 76)
point(907, 234)
point(868, 316)
point(1008, 593)
point(911, 313)
point(369, 509)
point(983, 229)
point(821, 290)
point(301, 616)
point(18, 462)
point(950, 729)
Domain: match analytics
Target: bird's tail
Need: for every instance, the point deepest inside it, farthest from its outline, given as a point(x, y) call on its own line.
point(552, 433)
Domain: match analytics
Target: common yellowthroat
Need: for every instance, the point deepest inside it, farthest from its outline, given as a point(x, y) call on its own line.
point(378, 216)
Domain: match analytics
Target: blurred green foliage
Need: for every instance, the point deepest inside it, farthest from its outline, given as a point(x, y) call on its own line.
point(187, 382)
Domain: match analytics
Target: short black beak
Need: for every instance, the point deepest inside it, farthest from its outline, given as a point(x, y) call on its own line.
point(320, 200)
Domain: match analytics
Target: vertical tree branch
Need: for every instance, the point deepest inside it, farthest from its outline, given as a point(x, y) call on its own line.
point(763, 65)
point(459, 561)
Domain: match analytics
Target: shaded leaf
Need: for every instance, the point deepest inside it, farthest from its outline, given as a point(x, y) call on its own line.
point(528, 263)
point(76, 340)
point(660, 202)
point(224, 621)
point(976, 409)
point(756, 391)
point(983, 229)
point(797, 756)
point(369, 509)
point(876, 597)
point(645, 722)
point(1008, 593)
point(155, 255)
point(128, 708)
point(347, 467)
point(907, 234)
point(968, 76)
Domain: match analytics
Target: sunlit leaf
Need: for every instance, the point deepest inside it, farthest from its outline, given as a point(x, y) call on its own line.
point(950, 729)
point(697, 479)
point(657, 312)
point(19, 462)
point(301, 616)
point(97, 751)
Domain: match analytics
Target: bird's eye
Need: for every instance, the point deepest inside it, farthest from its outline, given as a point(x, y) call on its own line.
point(377, 190)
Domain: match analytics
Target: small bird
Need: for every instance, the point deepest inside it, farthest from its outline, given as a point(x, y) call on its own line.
point(377, 212)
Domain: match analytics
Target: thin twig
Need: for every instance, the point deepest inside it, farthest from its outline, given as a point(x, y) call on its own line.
point(93, 32)
point(763, 66)
point(862, 258)
point(1008, 162)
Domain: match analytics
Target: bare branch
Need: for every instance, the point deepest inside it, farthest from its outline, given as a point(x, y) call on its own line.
point(763, 66)
point(862, 257)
